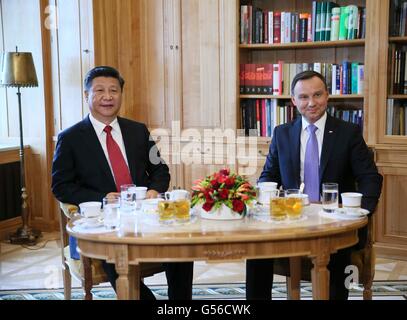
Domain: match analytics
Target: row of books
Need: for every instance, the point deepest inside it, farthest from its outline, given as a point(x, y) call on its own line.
point(396, 117)
point(398, 75)
point(275, 79)
point(398, 18)
point(327, 22)
point(261, 116)
point(347, 113)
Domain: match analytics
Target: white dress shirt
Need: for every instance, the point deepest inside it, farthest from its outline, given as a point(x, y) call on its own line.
point(116, 134)
point(320, 124)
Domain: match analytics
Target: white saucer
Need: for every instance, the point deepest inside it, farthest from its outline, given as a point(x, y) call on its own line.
point(89, 222)
point(345, 214)
point(268, 219)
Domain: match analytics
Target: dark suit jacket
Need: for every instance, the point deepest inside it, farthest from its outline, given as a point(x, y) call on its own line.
point(80, 171)
point(345, 159)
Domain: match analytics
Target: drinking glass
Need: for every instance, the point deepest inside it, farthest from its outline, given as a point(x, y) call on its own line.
point(111, 207)
point(182, 203)
point(329, 197)
point(277, 205)
point(128, 197)
point(294, 204)
point(166, 211)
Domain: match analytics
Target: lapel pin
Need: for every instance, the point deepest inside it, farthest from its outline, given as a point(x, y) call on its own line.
point(330, 131)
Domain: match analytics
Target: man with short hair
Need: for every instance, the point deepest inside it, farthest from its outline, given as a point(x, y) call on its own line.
point(316, 148)
point(94, 157)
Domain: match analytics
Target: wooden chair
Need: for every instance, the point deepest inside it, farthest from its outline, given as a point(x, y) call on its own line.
point(299, 268)
point(86, 270)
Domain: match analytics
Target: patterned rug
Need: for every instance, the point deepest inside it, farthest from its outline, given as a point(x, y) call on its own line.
point(382, 290)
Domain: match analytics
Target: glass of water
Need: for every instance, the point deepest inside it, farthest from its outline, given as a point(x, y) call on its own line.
point(111, 207)
point(128, 197)
point(329, 196)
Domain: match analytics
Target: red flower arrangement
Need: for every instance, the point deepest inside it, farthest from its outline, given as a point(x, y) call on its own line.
point(225, 188)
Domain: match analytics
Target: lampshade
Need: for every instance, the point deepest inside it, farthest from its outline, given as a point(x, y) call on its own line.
point(18, 70)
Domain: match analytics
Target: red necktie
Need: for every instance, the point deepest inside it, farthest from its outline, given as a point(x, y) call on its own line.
point(120, 169)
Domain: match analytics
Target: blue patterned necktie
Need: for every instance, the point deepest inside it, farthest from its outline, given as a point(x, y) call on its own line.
point(311, 165)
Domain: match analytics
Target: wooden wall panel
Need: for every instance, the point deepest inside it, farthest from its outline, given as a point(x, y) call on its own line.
point(3, 101)
point(130, 36)
point(37, 118)
point(391, 222)
point(200, 64)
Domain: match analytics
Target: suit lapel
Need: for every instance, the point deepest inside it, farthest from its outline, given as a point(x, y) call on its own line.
point(129, 146)
point(295, 132)
point(328, 143)
point(90, 138)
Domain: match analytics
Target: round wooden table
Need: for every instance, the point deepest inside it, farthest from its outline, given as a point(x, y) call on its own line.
point(145, 240)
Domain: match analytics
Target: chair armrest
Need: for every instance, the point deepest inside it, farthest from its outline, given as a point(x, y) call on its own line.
point(69, 210)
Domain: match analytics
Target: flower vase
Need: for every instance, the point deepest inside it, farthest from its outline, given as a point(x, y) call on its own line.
point(222, 213)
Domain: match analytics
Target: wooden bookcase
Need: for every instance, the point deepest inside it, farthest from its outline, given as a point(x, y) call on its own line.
point(391, 148)
point(375, 51)
point(299, 52)
point(332, 52)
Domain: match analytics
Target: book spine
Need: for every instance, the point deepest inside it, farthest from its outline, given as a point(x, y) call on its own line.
point(241, 78)
point(270, 26)
point(318, 22)
point(250, 24)
point(259, 79)
point(309, 29)
point(352, 18)
point(313, 20)
point(266, 27)
point(269, 78)
point(303, 27)
point(323, 21)
point(343, 20)
point(345, 77)
point(333, 84)
point(263, 118)
point(361, 78)
point(336, 13)
point(277, 27)
point(354, 78)
point(362, 24)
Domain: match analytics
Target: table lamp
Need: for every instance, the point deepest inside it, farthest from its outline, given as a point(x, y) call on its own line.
point(18, 71)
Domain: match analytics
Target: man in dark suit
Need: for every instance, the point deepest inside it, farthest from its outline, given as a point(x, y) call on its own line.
point(343, 158)
point(86, 165)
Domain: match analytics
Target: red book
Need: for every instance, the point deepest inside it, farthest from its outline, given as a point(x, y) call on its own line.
point(241, 78)
point(250, 78)
point(259, 78)
point(266, 26)
point(277, 27)
point(268, 79)
point(258, 125)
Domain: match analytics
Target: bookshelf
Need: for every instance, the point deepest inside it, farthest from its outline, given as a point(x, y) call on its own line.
point(255, 51)
point(396, 76)
point(375, 52)
point(390, 137)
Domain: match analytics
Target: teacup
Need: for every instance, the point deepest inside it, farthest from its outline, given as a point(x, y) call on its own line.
point(265, 190)
point(90, 209)
point(177, 195)
point(141, 192)
point(351, 200)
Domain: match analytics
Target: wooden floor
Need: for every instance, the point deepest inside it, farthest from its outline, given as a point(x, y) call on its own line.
point(39, 267)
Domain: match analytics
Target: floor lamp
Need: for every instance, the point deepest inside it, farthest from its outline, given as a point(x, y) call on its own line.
point(18, 71)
